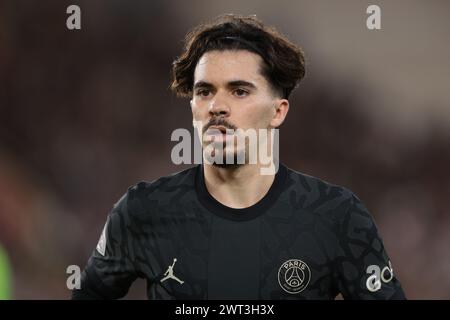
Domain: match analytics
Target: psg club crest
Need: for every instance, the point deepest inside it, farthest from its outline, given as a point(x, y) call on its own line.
point(294, 276)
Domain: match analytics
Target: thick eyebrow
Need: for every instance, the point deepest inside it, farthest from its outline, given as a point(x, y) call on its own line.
point(230, 84)
point(203, 84)
point(241, 83)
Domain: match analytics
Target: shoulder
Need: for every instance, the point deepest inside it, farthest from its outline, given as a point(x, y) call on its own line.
point(336, 204)
point(174, 181)
point(318, 195)
point(149, 194)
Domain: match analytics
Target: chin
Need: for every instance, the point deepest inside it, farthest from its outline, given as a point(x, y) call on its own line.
point(227, 165)
point(234, 164)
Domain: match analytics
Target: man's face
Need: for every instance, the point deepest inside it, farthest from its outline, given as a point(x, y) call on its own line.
point(231, 93)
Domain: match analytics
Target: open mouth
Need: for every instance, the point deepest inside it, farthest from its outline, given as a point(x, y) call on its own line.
point(219, 134)
point(214, 130)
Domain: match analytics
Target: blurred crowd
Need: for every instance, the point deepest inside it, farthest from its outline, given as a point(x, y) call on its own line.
point(85, 114)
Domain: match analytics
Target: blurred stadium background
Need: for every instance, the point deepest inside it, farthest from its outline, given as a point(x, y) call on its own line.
point(85, 114)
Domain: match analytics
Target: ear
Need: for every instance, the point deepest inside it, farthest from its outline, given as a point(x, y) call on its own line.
point(281, 110)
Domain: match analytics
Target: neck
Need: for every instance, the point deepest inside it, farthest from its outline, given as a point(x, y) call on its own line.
point(237, 187)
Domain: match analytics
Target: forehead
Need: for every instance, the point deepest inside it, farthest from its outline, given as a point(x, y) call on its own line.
point(229, 65)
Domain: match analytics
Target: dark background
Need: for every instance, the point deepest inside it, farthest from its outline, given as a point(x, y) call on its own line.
point(86, 113)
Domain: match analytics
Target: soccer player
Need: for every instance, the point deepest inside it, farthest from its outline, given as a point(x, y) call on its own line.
point(225, 230)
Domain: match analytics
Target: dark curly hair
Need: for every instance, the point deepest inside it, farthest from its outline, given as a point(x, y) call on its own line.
point(284, 62)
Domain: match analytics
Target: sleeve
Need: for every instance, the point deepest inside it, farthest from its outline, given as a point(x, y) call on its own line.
point(364, 270)
point(110, 271)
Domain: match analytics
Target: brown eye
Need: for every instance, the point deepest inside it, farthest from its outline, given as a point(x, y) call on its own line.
point(203, 92)
point(240, 92)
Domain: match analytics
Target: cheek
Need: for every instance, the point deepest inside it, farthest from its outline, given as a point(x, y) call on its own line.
point(196, 112)
point(259, 116)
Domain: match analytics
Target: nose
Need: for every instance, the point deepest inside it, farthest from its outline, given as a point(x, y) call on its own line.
point(219, 107)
